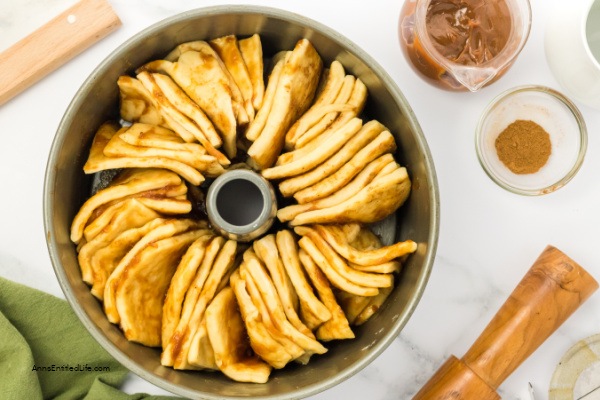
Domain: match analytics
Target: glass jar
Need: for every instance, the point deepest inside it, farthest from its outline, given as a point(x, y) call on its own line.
point(463, 44)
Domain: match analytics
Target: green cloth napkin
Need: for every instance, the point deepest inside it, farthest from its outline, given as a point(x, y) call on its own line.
point(39, 333)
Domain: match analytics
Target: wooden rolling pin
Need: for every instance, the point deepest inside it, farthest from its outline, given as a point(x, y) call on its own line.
point(54, 44)
point(553, 288)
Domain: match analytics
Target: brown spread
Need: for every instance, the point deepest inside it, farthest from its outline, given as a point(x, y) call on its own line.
point(468, 32)
point(465, 32)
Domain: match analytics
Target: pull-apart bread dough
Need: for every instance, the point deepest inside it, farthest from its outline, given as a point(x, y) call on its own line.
point(293, 95)
point(210, 304)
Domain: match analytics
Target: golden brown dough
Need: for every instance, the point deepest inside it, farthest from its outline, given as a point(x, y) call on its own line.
point(251, 49)
point(294, 93)
point(262, 342)
point(130, 182)
point(180, 283)
point(141, 288)
point(337, 327)
point(229, 340)
point(124, 215)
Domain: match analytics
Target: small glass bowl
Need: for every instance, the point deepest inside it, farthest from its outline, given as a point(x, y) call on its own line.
point(553, 112)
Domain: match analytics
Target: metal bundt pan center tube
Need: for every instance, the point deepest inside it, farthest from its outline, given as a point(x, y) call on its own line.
point(241, 205)
point(66, 188)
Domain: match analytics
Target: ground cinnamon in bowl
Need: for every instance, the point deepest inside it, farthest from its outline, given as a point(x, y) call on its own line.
point(523, 147)
point(531, 140)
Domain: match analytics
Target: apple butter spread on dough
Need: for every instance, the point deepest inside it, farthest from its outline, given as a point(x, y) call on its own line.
point(468, 32)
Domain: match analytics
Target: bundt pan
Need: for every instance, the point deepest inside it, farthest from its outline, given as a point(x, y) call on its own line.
point(67, 187)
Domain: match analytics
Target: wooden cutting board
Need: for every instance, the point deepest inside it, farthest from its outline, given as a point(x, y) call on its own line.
point(52, 45)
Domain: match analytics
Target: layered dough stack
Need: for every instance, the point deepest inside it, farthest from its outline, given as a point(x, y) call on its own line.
point(149, 146)
point(168, 280)
point(338, 169)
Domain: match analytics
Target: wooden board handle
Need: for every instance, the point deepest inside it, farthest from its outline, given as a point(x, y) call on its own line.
point(553, 288)
point(53, 44)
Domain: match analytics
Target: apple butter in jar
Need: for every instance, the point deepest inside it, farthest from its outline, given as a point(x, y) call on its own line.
point(463, 44)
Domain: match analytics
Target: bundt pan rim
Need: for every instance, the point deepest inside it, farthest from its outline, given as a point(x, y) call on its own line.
point(66, 188)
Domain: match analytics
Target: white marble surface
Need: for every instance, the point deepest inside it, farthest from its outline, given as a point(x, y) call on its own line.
point(488, 239)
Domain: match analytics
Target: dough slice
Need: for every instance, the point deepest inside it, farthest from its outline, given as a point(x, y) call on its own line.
point(207, 52)
point(382, 164)
point(261, 341)
point(382, 144)
point(383, 268)
point(100, 220)
point(362, 138)
point(105, 260)
point(229, 340)
point(175, 119)
point(331, 87)
point(251, 50)
point(222, 264)
point(373, 306)
point(227, 49)
point(167, 206)
point(359, 309)
point(206, 81)
point(179, 122)
point(214, 95)
point(146, 135)
point(117, 147)
point(331, 273)
point(99, 217)
point(353, 230)
point(294, 93)
point(325, 115)
point(332, 84)
point(351, 304)
point(160, 200)
point(104, 215)
point(187, 107)
point(327, 150)
point(180, 283)
point(329, 123)
point(258, 124)
point(128, 183)
point(291, 347)
point(97, 161)
point(173, 347)
point(136, 104)
point(165, 230)
point(366, 240)
point(374, 202)
point(336, 239)
point(341, 267)
point(338, 326)
point(266, 249)
point(141, 289)
point(275, 309)
point(312, 311)
point(204, 355)
point(124, 215)
point(201, 354)
point(159, 115)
